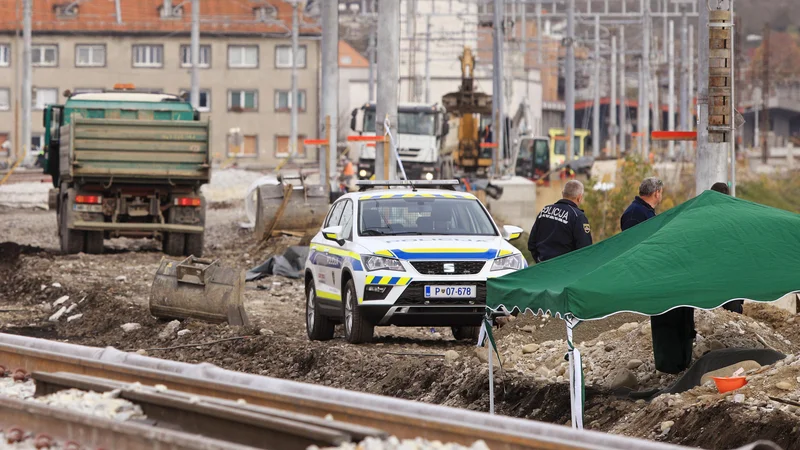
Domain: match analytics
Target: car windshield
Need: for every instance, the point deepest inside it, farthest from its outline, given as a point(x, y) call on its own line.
point(423, 216)
point(422, 123)
point(561, 146)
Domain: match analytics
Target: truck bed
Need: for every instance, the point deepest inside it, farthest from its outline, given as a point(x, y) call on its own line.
point(137, 151)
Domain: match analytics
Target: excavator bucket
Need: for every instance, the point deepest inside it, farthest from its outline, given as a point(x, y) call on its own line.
point(201, 289)
point(290, 206)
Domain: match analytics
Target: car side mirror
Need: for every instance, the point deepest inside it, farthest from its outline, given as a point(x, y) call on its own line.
point(333, 234)
point(445, 128)
point(510, 232)
point(353, 120)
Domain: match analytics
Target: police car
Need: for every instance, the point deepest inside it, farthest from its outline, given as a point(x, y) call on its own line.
point(405, 253)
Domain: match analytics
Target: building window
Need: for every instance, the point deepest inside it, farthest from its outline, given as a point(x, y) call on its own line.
point(243, 56)
point(37, 140)
point(205, 99)
point(243, 146)
point(45, 96)
point(205, 56)
point(5, 55)
point(282, 146)
point(44, 55)
point(242, 100)
point(90, 55)
point(5, 99)
point(283, 101)
point(148, 56)
point(283, 56)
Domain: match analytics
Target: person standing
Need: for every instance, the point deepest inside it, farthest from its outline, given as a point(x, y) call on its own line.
point(561, 227)
point(736, 306)
point(673, 332)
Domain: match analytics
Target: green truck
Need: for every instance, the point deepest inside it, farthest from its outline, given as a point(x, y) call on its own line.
point(127, 164)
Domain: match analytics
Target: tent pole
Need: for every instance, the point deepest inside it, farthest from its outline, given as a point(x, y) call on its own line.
point(491, 379)
point(575, 377)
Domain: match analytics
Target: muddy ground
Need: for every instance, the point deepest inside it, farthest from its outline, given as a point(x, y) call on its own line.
point(422, 364)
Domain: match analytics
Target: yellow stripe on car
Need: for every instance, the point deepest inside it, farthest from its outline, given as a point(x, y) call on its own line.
point(329, 295)
point(384, 253)
point(505, 252)
point(404, 281)
point(335, 251)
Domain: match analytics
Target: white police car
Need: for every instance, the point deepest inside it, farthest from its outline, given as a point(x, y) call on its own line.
point(413, 255)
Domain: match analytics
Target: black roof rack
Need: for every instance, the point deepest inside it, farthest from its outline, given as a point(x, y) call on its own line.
point(364, 185)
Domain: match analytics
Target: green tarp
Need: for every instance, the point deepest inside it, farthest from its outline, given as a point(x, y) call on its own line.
point(703, 253)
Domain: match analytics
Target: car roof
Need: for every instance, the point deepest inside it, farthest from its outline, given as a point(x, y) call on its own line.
point(410, 193)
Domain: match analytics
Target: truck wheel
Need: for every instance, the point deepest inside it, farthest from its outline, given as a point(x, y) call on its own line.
point(94, 242)
point(174, 244)
point(194, 245)
point(357, 329)
point(466, 333)
point(318, 327)
point(71, 240)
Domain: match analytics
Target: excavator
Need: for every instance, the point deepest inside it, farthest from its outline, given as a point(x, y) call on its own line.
point(473, 110)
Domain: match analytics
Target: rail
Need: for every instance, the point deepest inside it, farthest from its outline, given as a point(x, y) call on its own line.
point(402, 418)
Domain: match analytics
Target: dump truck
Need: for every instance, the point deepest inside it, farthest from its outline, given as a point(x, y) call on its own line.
point(127, 164)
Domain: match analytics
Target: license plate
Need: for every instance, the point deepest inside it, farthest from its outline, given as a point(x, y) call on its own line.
point(87, 208)
point(450, 291)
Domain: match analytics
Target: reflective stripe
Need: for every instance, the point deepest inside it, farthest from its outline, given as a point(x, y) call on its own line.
point(514, 236)
point(384, 253)
point(445, 253)
point(505, 252)
point(355, 258)
point(387, 281)
point(329, 295)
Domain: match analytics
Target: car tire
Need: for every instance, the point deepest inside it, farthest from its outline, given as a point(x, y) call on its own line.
point(466, 333)
point(72, 241)
point(94, 242)
point(357, 329)
point(318, 327)
point(173, 244)
point(194, 245)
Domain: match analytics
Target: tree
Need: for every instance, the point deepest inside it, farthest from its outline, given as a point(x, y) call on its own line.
point(784, 59)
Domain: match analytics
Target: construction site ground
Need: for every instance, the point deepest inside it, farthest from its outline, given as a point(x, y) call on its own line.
point(424, 364)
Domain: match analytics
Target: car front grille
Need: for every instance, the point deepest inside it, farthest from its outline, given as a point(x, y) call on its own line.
point(414, 294)
point(437, 267)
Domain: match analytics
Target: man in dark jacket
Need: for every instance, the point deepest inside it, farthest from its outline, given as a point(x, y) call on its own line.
point(736, 306)
point(561, 227)
point(673, 332)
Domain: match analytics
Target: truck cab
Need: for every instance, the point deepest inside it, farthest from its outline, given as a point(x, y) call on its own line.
point(421, 129)
point(127, 163)
point(558, 145)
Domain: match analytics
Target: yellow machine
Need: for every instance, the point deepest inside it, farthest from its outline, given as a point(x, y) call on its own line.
point(558, 145)
point(474, 111)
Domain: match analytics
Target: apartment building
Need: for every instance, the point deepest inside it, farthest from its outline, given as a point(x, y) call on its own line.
point(245, 66)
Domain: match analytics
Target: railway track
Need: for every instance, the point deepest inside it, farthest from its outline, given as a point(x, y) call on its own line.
point(250, 411)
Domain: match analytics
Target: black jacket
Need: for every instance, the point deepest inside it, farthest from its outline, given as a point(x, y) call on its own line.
point(559, 228)
point(638, 211)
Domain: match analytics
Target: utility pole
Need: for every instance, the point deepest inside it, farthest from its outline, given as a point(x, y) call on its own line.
point(498, 81)
point(596, 108)
point(693, 111)
point(642, 110)
point(371, 51)
point(428, 59)
point(686, 64)
point(330, 89)
point(27, 77)
point(389, 49)
point(648, 31)
point(569, 96)
point(623, 98)
point(765, 96)
point(671, 95)
point(293, 100)
point(703, 162)
point(612, 113)
point(195, 49)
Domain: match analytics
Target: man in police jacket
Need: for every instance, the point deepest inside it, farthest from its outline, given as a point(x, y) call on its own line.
point(561, 227)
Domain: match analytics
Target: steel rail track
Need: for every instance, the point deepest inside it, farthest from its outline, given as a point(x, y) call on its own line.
point(402, 418)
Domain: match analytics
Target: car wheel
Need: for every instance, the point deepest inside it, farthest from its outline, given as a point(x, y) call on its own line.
point(318, 327)
point(466, 333)
point(94, 242)
point(357, 329)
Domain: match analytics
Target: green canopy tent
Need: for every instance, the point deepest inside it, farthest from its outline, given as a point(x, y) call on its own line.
point(702, 254)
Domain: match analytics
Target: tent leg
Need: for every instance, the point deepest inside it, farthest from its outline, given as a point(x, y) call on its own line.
point(575, 377)
point(491, 379)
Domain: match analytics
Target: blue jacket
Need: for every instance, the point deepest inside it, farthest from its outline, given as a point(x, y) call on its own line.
point(559, 228)
point(638, 211)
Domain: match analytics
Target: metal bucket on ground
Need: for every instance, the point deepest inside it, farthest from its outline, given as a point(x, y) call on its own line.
point(201, 289)
point(290, 205)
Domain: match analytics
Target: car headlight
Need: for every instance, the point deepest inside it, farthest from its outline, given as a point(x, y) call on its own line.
point(362, 173)
point(513, 262)
point(380, 263)
point(428, 176)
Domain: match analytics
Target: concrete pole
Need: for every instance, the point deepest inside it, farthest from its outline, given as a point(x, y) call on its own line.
point(612, 109)
point(693, 116)
point(524, 47)
point(195, 50)
point(389, 49)
point(293, 123)
point(686, 64)
point(641, 110)
point(498, 80)
point(371, 51)
point(428, 59)
point(646, 75)
point(596, 102)
point(569, 96)
point(671, 95)
point(27, 77)
point(539, 34)
point(623, 98)
point(330, 86)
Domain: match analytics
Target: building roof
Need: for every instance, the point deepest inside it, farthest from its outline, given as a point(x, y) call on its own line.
point(228, 17)
point(349, 58)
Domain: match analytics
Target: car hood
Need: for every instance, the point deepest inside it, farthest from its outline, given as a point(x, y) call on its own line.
point(438, 247)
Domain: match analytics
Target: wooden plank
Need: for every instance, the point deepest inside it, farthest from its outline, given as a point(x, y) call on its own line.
point(144, 147)
point(83, 156)
point(719, 110)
